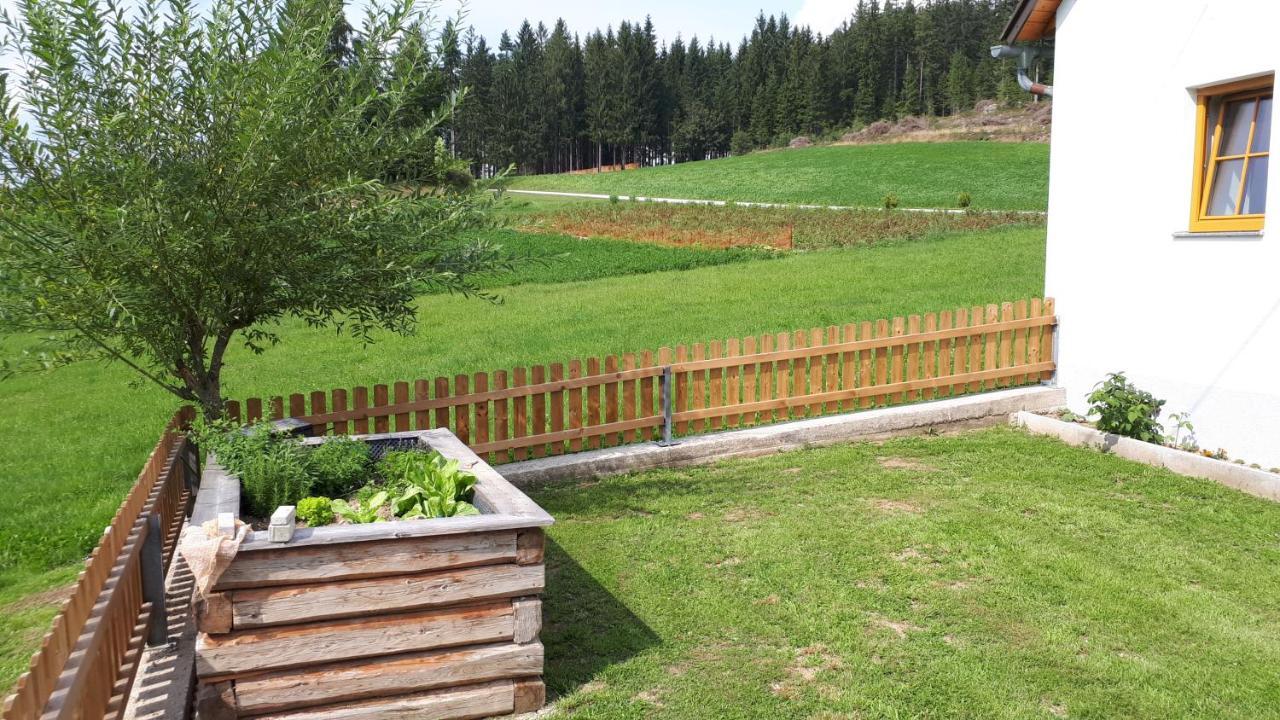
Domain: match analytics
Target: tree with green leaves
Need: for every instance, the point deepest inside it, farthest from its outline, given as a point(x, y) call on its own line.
point(175, 184)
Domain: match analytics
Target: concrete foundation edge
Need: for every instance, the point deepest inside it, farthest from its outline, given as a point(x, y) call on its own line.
point(992, 407)
point(1245, 479)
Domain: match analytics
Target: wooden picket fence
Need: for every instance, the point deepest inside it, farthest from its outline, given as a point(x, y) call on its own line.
point(566, 407)
point(86, 663)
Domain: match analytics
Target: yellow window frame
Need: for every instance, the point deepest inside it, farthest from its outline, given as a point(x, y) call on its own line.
point(1207, 155)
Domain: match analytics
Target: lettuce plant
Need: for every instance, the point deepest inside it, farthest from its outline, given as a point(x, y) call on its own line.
point(359, 512)
point(430, 486)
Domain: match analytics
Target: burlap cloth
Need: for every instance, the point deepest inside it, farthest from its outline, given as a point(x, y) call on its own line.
point(208, 552)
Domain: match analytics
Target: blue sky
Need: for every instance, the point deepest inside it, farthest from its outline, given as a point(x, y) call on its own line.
point(726, 20)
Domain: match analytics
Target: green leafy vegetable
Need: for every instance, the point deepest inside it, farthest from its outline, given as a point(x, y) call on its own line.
point(315, 511)
point(428, 485)
point(358, 512)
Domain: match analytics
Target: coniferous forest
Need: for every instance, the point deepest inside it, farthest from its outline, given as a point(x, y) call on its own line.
point(552, 99)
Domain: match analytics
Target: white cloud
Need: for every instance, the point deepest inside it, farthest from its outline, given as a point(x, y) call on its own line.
point(824, 15)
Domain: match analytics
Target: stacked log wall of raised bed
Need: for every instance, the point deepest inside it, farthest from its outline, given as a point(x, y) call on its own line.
point(444, 626)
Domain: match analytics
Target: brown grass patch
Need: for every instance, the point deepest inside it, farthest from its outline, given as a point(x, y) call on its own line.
point(744, 514)
point(895, 506)
point(809, 663)
point(652, 696)
point(899, 627)
point(898, 463)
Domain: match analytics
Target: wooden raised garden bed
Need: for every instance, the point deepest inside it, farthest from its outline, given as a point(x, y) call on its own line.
point(430, 618)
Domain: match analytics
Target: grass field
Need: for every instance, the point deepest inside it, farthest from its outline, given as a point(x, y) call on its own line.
point(71, 442)
point(998, 176)
point(556, 258)
point(991, 575)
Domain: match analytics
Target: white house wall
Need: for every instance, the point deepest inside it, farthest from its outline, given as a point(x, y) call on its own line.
point(1194, 320)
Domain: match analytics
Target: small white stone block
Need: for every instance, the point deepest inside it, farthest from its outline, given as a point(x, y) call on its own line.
point(283, 522)
point(227, 524)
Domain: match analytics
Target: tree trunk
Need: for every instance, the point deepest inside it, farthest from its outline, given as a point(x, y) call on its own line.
point(210, 394)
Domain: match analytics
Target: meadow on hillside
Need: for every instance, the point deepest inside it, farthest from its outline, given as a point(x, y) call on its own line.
point(997, 176)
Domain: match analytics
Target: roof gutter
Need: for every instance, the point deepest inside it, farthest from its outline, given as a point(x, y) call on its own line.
point(1025, 55)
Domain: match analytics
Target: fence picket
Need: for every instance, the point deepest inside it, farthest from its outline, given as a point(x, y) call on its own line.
point(646, 400)
point(610, 400)
point(882, 360)
point(538, 403)
point(912, 355)
point(815, 370)
point(520, 416)
point(557, 408)
point(421, 393)
point(593, 402)
point(946, 353)
point(896, 363)
point(461, 413)
point(732, 383)
point(339, 396)
point(629, 398)
point(682, 390)
point(930, 349)
point(400, 396)
point(360, 402)
point(800, 373)
point(1020, 341)
point(442, 414)
point(575, 405)
point(715, 389)
point(976, 345)
point(833, 368)
point(698, 389)
point(782, 379)
point(480, 430)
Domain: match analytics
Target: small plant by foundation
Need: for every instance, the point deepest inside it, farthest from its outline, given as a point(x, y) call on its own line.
point(1125, 410)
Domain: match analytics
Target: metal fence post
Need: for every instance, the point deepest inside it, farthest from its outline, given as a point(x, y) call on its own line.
point(190, 459)
point(153, 581)
point(1057, 326)
point(666, 406)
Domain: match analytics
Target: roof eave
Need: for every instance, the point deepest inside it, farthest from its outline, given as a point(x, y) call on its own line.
point(1013, 31)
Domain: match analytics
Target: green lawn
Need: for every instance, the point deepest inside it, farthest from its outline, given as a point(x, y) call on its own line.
point(557, 258)
point(989, 575)
point(998, 176)
point(72, 442)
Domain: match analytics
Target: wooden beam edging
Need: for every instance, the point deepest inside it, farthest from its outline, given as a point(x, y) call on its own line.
point(394, 530)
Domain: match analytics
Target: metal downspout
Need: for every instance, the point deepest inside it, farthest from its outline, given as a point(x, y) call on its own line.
point(1025, 56)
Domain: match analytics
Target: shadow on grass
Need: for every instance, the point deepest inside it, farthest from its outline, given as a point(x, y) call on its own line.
point(585, 628)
